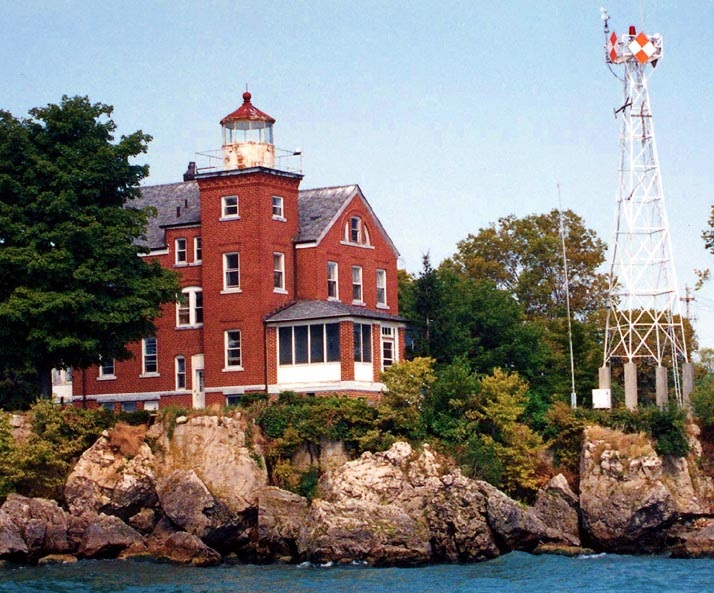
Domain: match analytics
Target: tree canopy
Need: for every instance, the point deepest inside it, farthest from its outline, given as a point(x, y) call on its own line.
point(524, 256)
point(73, 289)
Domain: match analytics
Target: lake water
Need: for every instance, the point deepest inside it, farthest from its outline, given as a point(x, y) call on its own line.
point(513, 573)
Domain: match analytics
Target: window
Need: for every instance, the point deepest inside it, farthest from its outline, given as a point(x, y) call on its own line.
point(363, 342)
point(279, 272)
point(332, 292)
point(229, 207)
point(180, 372)
point(388, 340)
point(106, 369)
point(152, 406)
point(278, 208)
point(128, 407)
point(356, 231)
point(181, 255)
point(309, 344)
point(189, 311)
point(231, 271)
point(356, 284)
point(233, 349)
point(150, 356)
point(233, 400)
point(381, 288)
point(197, 255)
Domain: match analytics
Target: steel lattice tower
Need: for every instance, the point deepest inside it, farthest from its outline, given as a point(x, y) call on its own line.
point(644, 319)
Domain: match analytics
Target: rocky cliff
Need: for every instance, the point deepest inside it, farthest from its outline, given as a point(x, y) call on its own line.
point(197, 492)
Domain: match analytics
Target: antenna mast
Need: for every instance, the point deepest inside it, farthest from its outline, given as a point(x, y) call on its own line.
point(644, 318)
point(573, 396)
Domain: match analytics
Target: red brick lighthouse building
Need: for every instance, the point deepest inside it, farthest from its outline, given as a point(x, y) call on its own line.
point(283, 288)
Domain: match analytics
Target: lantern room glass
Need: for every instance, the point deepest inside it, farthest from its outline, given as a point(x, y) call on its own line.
point(243, 131)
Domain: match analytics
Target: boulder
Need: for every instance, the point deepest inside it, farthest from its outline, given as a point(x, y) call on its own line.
point(625, 506)
point(190, 505)
point(466, 519)
point(557, 507)
point(12, 546)
point(381, 535)
point(216, 450)
point(515, 526)
point(168, 543)
point(104, 480)
point(281, 515)
point(692, 539)
point(184, 548)
point(107, 536)
point(43, 524)
point(457, 518)
point(56, 559)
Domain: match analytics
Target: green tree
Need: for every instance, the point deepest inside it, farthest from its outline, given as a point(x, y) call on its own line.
point(436, 308)
point(73, 288)
point(408, 384)
point(524, 257)
point(500, 433)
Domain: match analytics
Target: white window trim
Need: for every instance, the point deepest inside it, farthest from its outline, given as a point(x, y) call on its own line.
point(336, 280)
point(176, 373)
point(226, 288)
point(235, 367)
point(359, 301)
point(144, 372)
point(109, 376)
point(190, 292)
point(184, 250)
point(279, 289)
point(383, 274)
point(197, 251)
point(280, 217)
point(225, 216)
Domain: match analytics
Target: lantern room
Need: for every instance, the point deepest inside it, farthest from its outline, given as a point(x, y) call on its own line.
point(248, 137)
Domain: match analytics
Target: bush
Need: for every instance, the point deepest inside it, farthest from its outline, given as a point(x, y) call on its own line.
point(39, 466)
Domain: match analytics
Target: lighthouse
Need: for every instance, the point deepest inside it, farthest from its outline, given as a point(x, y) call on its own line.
point(248, 137)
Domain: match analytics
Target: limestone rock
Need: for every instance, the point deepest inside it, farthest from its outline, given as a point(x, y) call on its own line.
point(56, 559)
point(381, 535)
point(105, 481)
point(190, 505)
point(456, 515)
point(328, 455)
point(168, 543)
point(43, 524)
point(184, 548)
point(107, 536)
point(281, 515)
point(624, 503)
point(557, 507)
point(515, 527)
point(12, 546)
point(215, 449)
point(693, 539)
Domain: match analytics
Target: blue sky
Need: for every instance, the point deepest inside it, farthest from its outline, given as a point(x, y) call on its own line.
point(449, 115)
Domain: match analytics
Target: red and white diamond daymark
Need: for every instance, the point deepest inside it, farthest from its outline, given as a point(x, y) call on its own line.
point(642, 48)
point(612, 47)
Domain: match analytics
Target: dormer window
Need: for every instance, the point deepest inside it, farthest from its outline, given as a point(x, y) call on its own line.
point(356, 231)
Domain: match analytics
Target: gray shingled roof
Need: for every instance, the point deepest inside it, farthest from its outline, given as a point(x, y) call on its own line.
point(175, 204)
point(317, 207)
point(179, 204)
point(306, 310)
